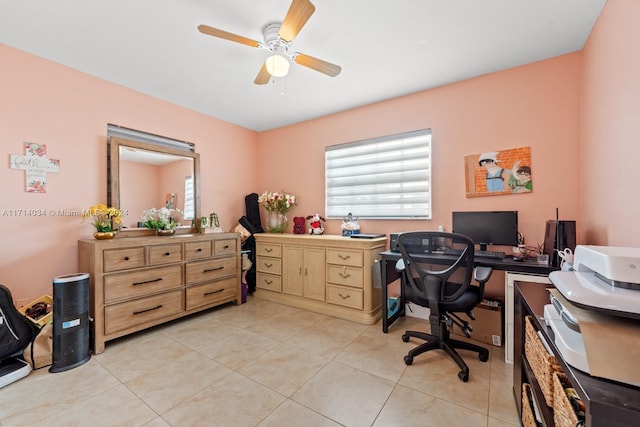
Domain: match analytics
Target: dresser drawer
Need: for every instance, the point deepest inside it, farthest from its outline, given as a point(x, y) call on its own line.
point(130, 314)
point(164, 254)
point(342, 275)
point(347, 297)
point(224, 247)
point(269, 282)
point(197, 250)
point(345, 257)
point(269, 249)
point(202, 271)
point(139, 283)
point(212, 292)
point(269, 265)
point(123, 259)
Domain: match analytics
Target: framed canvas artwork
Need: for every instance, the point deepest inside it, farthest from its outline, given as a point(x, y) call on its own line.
point(494, 173)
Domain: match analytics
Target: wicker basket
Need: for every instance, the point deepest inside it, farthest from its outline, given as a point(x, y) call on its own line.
point(563, 413)
point(542, 363)
point(528, 419)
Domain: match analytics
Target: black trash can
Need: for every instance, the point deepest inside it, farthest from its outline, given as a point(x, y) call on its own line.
point(70, 322)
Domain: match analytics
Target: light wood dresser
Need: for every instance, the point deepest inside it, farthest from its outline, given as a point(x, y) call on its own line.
point(327, 274)
point(139, 282)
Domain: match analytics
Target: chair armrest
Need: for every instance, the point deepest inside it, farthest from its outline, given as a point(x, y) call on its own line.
point(400, 265)
point(482, 273)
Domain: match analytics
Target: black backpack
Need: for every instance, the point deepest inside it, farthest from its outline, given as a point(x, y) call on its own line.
point(16, 331)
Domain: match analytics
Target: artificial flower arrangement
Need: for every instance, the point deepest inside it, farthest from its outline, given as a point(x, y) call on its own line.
point(277, 202)
point(160, 219)
point(103, 217)
point(276, 205)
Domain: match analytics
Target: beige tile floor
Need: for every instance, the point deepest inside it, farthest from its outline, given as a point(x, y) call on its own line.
point(264, 364)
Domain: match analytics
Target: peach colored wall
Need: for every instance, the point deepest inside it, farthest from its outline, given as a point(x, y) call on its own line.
point(50, 104)
point(611, 127)
point(537, 105)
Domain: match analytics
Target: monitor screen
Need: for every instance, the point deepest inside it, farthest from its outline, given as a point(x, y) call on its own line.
point(488, 228)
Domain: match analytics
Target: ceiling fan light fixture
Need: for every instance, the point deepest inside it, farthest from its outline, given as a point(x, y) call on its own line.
point(277, 65)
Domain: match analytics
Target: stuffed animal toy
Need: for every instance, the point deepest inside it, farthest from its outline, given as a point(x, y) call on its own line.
point(316, 224)
point(298, 225)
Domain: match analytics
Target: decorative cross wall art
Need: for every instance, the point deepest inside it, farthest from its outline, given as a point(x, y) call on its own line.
point(36, 164)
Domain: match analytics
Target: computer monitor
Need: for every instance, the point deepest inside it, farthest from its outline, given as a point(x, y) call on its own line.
point(488, 228)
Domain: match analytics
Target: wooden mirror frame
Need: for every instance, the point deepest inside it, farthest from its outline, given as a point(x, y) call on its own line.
point(113, 176)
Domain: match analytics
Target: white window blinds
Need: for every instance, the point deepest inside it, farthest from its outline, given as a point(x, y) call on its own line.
point(381, 178)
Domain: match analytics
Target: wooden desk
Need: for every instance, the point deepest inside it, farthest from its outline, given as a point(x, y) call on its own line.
point(608, 403)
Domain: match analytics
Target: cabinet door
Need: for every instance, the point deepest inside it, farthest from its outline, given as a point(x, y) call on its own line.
point(292, 261)
point(314, 273)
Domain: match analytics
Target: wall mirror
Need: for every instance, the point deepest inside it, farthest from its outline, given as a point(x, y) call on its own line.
point(143, 175)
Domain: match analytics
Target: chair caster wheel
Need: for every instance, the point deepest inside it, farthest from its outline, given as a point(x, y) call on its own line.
point(464, 376)
point(408, 360)
point(483, 356)
point(405, 338)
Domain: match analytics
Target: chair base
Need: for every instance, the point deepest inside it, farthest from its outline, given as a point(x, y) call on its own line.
point(434, 342)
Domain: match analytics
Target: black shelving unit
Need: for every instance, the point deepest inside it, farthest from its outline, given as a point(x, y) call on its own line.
point(607, 403)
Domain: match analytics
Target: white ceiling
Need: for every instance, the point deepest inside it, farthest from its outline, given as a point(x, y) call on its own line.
point(387, 48)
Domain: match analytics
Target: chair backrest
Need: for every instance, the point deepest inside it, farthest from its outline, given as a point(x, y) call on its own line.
point(424, 276)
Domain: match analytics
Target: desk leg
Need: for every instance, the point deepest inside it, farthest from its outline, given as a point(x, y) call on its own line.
point(385, 297)
point(390, 275)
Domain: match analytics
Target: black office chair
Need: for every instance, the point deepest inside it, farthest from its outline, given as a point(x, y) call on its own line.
point(428, 286)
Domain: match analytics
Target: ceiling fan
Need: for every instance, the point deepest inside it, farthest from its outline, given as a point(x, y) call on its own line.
point(277, 40)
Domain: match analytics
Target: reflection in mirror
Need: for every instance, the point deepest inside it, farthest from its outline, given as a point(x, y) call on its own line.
point(144, 176)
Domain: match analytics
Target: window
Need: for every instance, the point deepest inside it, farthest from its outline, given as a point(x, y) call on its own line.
point(380, 178)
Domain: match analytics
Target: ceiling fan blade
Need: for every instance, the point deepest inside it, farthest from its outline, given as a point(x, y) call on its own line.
point(317, 64)
point(263, 76)
point(205, 29)
point(298, 14)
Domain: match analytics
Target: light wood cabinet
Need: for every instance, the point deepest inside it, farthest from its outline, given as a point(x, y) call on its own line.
point(304, 271)
point(139, 282)
point(326, 274)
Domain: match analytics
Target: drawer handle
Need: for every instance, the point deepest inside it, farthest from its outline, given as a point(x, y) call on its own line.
point(167, 253)
point(147, 281)
point(199, 250)
point(226, 246)
point(268, 249)
point(344, 273)
point(148, 309)
point(268, 265)
point(126, 258)
point(343, 257)
point(268, 282)
point(209, 270)
point(206, 294)
point(344, 296)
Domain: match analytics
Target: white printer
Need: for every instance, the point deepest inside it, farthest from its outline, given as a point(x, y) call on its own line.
point(606, 279)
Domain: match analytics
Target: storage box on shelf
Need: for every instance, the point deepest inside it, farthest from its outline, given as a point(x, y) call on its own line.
point(528, 417)
point(543, 364)
point(139, 282)
point(563, 413)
